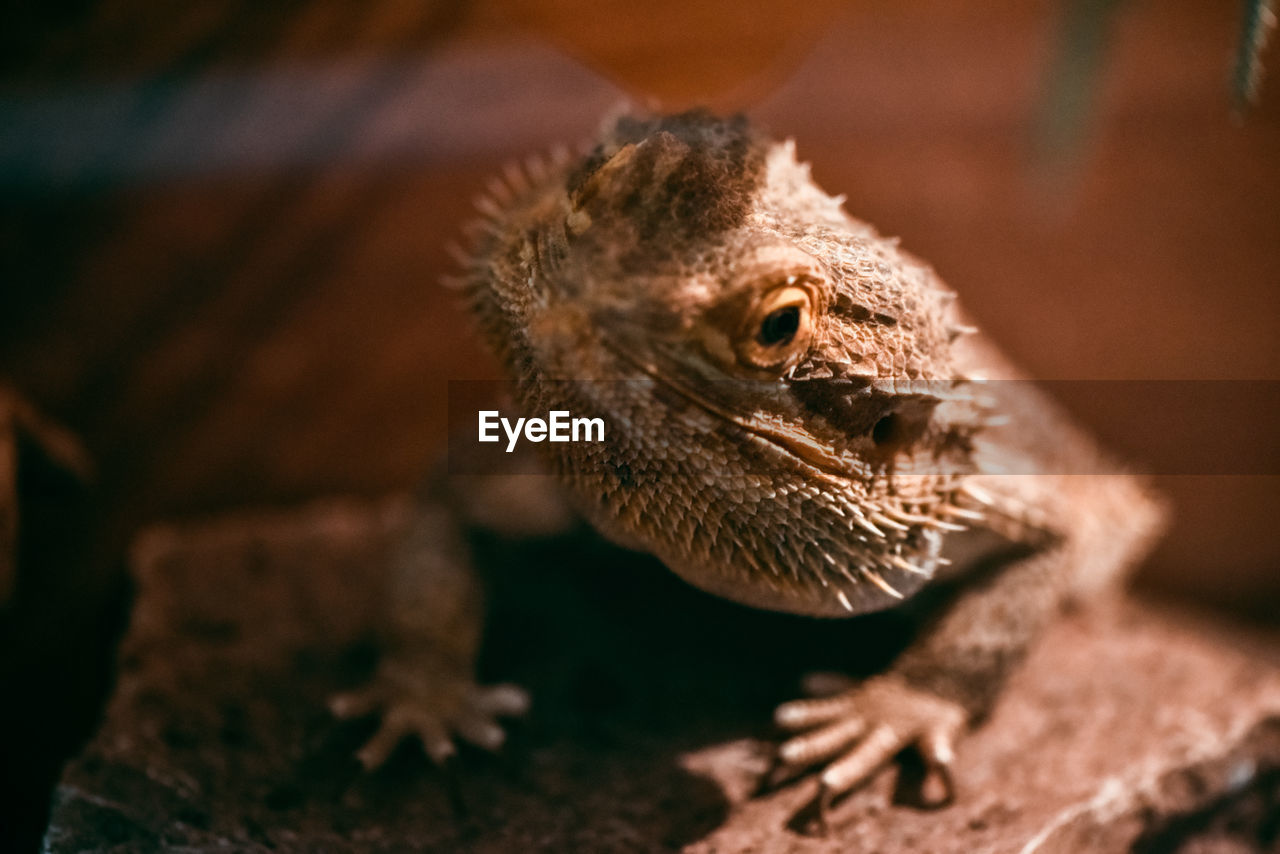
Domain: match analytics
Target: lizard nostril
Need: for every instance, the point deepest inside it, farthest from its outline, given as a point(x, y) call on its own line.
point(902, 427)
point(886, 430)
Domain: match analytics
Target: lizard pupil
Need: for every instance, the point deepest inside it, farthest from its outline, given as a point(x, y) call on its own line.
point(780, 326)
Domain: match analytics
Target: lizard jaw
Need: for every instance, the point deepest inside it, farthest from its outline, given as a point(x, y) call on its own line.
point(879, 578)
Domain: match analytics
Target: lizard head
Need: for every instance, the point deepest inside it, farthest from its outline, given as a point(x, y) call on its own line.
point(785, 427)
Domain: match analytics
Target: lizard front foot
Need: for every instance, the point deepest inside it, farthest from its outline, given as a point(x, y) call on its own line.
point(856, 731)
point(435, 704)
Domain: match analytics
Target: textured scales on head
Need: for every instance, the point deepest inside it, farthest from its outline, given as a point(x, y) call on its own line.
point(785, 424)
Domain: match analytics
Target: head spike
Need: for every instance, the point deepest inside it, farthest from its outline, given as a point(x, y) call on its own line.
point(459, 255)
point(499, 191)
point(977, 494)
point(875, 579)
point(907, 566)
point(961, 512)
point(536, 168)
point(489, 207)
point(516, 179)
point(884, 521)
point(866, 525)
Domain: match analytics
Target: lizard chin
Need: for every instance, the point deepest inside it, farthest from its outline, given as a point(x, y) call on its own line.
point(816, 591)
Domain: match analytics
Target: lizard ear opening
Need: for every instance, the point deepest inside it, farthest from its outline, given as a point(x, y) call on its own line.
point(777, 330)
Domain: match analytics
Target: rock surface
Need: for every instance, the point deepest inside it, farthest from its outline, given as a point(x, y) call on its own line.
point(1132, 728)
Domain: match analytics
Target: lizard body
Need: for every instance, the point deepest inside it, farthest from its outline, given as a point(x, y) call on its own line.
point(800, 419)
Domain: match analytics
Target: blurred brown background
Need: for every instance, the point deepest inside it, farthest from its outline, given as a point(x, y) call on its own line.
point(222, 224)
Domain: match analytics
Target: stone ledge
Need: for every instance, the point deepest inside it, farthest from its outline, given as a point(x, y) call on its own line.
point(1131, 728)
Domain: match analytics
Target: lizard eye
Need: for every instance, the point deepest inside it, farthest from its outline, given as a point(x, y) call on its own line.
point(778, 329)
point(779, 326)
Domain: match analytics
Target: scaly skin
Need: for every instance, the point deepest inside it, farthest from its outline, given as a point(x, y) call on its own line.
point(795, 421)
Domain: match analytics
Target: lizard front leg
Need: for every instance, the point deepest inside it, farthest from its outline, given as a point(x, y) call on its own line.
point(951, 677)
point(433, 622)
point(947, 680)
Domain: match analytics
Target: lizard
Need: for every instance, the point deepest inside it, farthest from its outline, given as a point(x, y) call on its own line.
point(801, 418)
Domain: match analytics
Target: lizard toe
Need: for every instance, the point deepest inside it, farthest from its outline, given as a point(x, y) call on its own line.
point(854, 734)
point(433, 711)
point(860, 763)
point(822, 743)
point(804, 714)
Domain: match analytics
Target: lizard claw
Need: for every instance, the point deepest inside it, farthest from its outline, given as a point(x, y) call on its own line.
point(434, 710)
point(856, 732)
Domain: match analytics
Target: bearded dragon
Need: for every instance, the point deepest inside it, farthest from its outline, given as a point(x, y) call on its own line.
point(800, 418)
